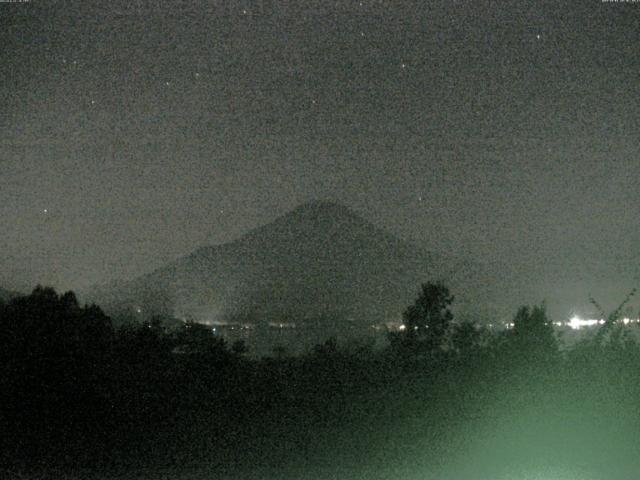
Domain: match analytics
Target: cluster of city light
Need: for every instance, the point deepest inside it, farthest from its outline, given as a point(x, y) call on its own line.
point(576, 323)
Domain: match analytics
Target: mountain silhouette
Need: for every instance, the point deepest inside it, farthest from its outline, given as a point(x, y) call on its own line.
point(320, 264)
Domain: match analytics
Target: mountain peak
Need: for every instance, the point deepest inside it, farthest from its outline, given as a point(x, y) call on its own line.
point(325, 207)
point(317, 219)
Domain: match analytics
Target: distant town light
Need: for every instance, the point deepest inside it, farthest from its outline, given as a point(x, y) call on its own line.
point(576, 323)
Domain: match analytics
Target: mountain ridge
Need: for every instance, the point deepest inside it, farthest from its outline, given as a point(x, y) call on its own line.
point(320, 260)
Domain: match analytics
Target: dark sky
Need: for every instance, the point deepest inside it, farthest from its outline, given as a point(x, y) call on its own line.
point(134, 132)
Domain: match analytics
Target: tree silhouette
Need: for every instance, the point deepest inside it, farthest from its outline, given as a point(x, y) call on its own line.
point(467, 338)
point(608, 331)
point(429, 318)
point(54, 363)
point(239, 348)
point(532, 336)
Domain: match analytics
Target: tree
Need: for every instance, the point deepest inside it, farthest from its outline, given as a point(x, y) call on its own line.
point(429, 318)
point(467, 338)
point(43, 324)
point(54, 362)
point(608, 332)
point(239, 348)
point(532, 336)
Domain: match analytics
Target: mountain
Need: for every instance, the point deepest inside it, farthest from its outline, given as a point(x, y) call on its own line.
point(320, 265)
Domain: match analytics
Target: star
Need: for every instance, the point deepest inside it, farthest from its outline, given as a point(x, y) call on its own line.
point(45, 210)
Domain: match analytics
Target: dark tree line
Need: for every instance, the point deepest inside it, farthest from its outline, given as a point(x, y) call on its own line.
point(76, 391)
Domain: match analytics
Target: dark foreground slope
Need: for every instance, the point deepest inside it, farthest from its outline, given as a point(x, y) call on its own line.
point(80, 400)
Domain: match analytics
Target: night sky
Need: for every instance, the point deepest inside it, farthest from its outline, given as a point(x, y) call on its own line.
point(134, 132)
